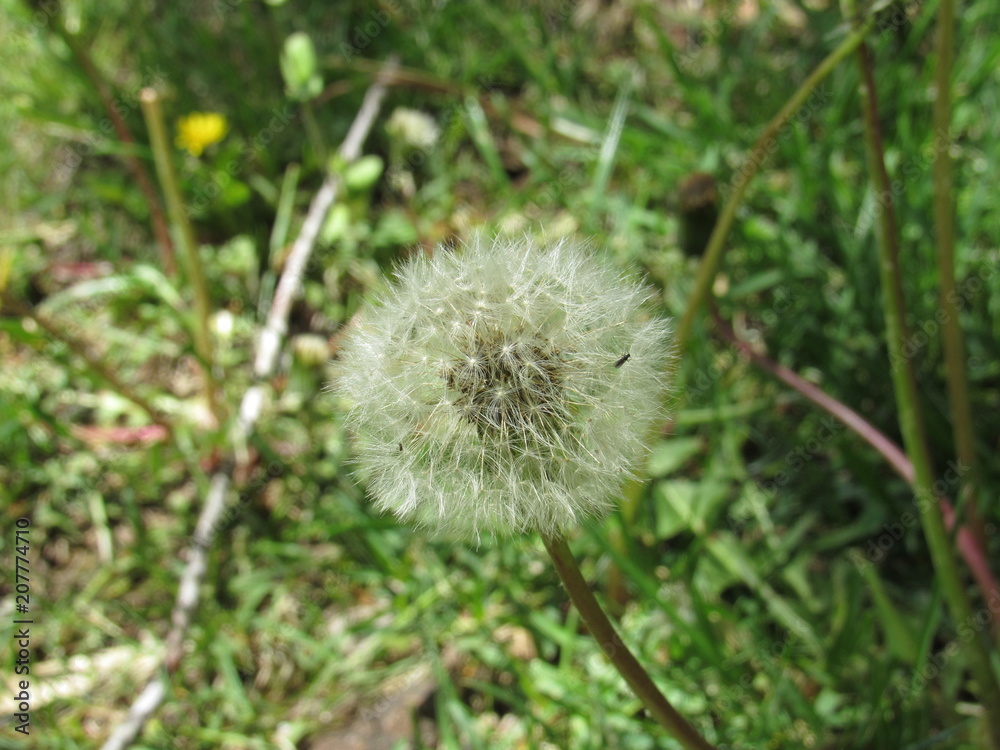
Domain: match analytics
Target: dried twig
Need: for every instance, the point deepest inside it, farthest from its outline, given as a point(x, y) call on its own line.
point(267, 355)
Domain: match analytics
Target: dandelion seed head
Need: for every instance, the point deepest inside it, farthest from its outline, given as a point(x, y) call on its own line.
point(494, 368)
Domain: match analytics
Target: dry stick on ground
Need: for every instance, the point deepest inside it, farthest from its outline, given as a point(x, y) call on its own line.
point(267, 355)
point(968, 543)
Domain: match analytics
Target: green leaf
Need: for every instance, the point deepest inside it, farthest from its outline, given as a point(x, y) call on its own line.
point(683, 504)
point(728, 551)
point(298, 67)
point(758, 283)
point(362, 174)
point(898, 637)
point(336, 225)
point(671, 454)
point(394, 229)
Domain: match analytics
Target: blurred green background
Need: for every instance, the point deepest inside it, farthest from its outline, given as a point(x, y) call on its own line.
point(766, 574)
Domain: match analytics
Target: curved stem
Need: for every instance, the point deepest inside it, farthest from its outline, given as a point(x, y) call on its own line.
point(607, 637)
point(81, 347)
point(911, 422)
point(764, 147)
point(969, 544)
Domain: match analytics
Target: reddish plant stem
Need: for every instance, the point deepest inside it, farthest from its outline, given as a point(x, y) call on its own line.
point(969, 544)
point(156, 215)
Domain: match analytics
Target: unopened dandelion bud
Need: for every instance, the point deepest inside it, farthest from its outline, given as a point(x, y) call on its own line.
point(506, 387)
point(414, 128)
point(310, 349)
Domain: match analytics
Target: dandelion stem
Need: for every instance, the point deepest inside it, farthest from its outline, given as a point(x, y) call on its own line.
point(149, 100)
point(762, 149)
point(911, 422)
point(611, 643)
point(944, 223)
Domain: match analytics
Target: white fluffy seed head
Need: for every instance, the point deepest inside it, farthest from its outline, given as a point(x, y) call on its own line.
point(482, 389)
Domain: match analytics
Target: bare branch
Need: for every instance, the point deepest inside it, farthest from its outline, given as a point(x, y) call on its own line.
point(267, 356)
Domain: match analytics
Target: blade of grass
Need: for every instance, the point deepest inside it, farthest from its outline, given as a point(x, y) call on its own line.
point(83, 349)
point(149, 100)
point(908, 402)
point(140, 279)
point(702, 642)
point(283, 216)
point(898, 637)
point(766, 142)
point(479, 129)
point(944, 225)
point(728, 551)
point(934, 611)
point(112, 108)
point(609, 144)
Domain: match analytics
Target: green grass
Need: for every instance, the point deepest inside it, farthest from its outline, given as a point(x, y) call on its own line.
point(742, 592)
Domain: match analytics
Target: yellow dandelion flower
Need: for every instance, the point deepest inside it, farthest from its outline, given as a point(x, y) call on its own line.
point(199, 130)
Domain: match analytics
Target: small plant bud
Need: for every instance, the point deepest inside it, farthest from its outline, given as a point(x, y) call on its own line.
point(485, 391)
point(310, 349)
point(413, 128)
point(698, 195)
point(299, 67)
point(364, 173)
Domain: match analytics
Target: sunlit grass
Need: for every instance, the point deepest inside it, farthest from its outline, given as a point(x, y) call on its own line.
point(737, 580)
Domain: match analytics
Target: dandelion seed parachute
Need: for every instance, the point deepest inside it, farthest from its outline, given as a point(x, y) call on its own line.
point(481, 388)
